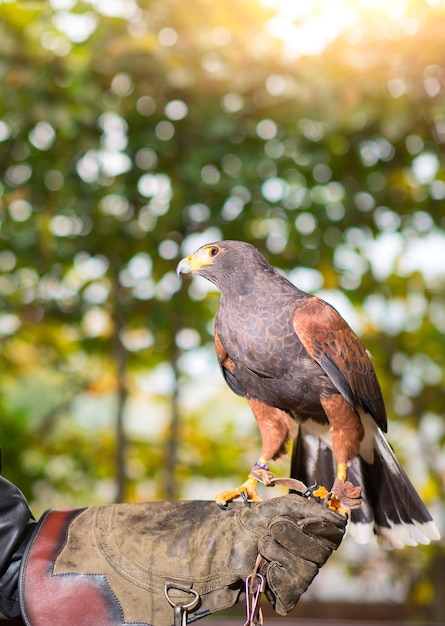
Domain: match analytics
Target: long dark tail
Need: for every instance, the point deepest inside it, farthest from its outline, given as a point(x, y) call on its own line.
point(391, 508)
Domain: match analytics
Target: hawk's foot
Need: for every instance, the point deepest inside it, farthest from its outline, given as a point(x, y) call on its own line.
point(346, 494)
point(247, 491)
point(343, 497)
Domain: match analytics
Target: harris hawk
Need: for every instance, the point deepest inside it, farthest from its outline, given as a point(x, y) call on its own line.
point(305, 374)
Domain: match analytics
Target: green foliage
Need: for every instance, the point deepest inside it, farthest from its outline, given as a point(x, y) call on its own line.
point(128, 141)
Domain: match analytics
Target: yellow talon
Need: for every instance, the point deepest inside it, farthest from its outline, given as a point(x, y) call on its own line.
point(320, 492)
point(335, 505)
point(248, 488)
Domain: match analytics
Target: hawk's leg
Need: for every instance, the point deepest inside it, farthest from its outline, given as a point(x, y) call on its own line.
point(347, 433)
point(275, 426)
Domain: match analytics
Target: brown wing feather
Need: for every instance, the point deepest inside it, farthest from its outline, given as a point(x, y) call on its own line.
point(331, 342)
point(227, 366)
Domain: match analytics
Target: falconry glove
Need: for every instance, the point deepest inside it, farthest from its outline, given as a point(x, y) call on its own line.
point(121, 559)
point(295, 539)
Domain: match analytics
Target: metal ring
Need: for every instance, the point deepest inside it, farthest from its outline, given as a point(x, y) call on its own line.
point(186, 589)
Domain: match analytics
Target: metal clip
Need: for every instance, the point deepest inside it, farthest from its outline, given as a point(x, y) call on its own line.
point(181, 609)
point(254, 589)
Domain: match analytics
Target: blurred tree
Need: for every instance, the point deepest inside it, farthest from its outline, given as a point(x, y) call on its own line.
point(132, 132)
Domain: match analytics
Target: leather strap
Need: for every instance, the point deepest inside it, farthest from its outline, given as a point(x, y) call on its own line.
point(73, 599)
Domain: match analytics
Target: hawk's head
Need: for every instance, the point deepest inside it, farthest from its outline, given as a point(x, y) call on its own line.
point(222, 262)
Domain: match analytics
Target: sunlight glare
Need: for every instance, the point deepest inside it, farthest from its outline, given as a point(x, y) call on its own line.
point(307, 28)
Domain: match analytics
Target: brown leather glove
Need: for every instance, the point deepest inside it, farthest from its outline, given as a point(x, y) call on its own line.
point(139, 547)
point(300, 538)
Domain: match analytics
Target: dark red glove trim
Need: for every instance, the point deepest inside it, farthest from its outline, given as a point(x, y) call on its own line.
point(49, 599)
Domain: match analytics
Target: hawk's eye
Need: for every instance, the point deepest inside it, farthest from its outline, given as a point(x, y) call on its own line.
point(213, 251)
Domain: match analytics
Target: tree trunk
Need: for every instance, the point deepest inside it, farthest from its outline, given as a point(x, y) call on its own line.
point(121, 360)
point(171, 487)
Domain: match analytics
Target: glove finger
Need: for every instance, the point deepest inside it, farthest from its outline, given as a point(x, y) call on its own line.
point(273, 552)
point(284, 588)
point(329, 530)
point(296, 541)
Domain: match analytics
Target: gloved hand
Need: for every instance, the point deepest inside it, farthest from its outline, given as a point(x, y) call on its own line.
point(16, 523)
point(299, 539)
point(294, 535)
point(195, 544)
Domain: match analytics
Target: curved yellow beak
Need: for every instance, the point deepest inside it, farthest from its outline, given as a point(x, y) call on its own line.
point(185, 266)
point(194, 262)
